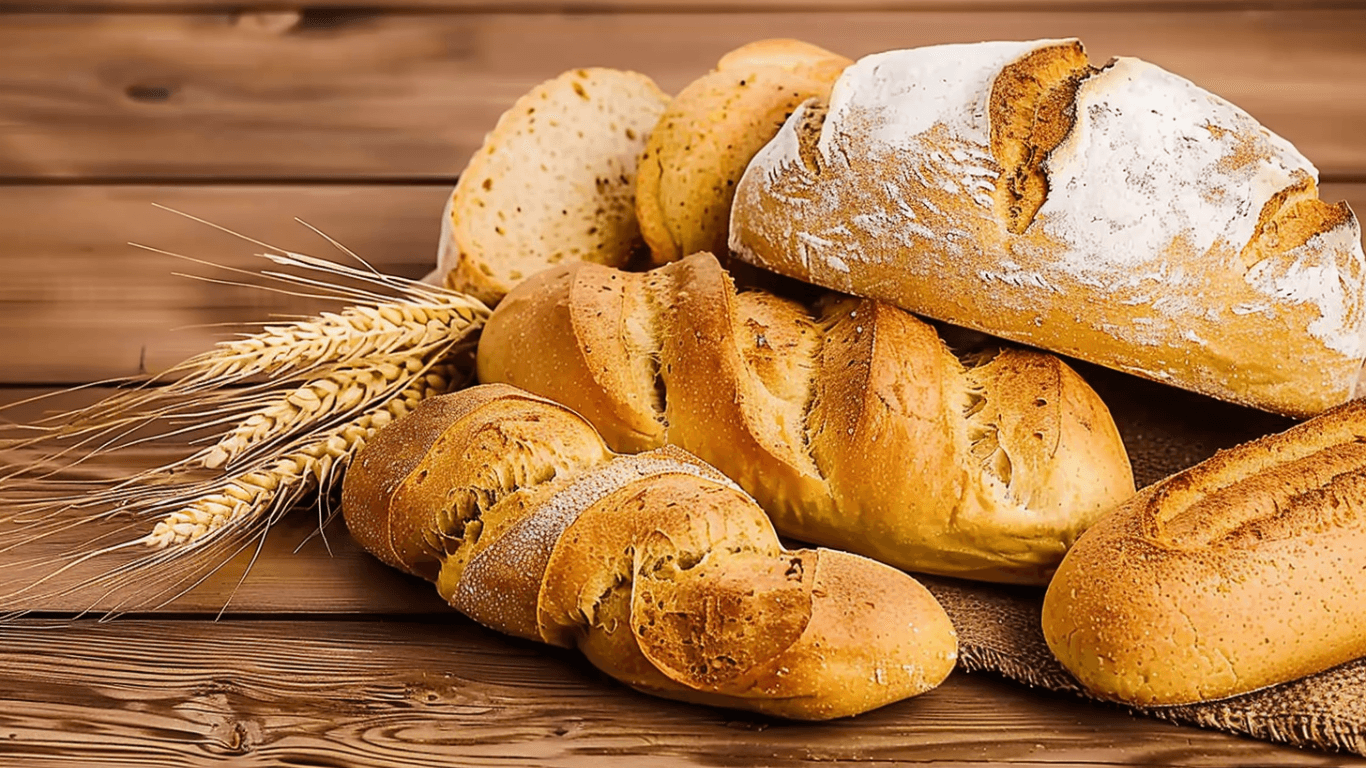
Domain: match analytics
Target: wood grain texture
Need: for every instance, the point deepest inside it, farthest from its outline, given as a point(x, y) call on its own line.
point(446, 692)
point(360, 95)
point(655, 6)
point(78, 304)
point(295, 572)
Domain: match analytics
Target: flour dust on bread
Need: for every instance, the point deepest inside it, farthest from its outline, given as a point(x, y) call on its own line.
point(851, 422)
point(554, 181)
point(1245, 571)
point(709, 132)
point(1118, 214)
point(658, 568)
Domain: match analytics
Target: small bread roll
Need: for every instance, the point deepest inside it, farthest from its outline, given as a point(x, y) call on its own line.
point(706, 137)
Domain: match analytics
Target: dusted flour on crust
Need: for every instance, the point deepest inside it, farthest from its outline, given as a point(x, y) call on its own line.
point(1119, 214)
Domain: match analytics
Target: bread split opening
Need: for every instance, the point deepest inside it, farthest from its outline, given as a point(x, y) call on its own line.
point(1033, 108)
point(710, 620)
point(811, 120)
point(1290, 218)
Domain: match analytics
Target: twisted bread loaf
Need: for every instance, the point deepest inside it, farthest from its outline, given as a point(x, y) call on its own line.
point(1242, 572)
point(853, 425)
point(1118, 214)
point(667, 576)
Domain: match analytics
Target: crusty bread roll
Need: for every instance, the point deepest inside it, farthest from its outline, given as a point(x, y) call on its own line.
point(657, 567)
point(554, 181)
point(851, 423)
point(1242, 572)
point(1118, 214)
point(708, 134)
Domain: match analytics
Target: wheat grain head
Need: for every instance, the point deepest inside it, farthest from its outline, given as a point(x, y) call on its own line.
point(269, 418)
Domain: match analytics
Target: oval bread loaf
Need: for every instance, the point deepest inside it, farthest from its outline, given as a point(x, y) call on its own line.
point(659, 569)
point(708, 134)
point(1117, 214)
point(1242, 572)
point(554, 181)
point(851, 422)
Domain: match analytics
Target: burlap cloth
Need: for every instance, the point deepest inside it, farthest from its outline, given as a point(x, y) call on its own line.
point(1165, 431)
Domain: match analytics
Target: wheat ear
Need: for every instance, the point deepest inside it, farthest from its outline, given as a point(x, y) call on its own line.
point(286, 479)
point(268, 417)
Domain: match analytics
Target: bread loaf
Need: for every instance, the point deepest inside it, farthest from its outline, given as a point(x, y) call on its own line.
point(667, 576)
point(851, 423)
point(554, 181)
point(1118, 214)
point(1242, 572)
point(708, 134)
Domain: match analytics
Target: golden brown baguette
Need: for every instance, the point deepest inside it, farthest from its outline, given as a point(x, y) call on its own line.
point(709, 132)
point(1118, 214)
point(659, 569)
point(852, 423)
point(1242, 572)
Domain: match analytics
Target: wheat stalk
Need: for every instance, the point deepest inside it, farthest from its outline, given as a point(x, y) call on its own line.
point(293, 474)
point(277, 416)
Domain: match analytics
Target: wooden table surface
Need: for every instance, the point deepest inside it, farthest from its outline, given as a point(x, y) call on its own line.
point(357, 118)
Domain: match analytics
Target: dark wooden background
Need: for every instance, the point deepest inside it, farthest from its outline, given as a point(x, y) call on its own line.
point(357, 118)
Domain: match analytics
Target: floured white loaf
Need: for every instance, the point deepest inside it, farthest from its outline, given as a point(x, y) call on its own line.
point(1118, 214)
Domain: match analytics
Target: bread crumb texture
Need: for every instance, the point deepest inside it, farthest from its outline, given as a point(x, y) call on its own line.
point(554, 181)
point(1242, 572)
point(1119, 214)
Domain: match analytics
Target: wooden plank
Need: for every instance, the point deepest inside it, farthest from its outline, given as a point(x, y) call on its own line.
point(297, 570)
point(79, 304)
point(653, 6)
point(295, 573)
point(449, 693)
point(368, 95)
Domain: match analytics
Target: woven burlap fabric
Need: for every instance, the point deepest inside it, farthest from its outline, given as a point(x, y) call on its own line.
point(998, 631)
point(1165, 431)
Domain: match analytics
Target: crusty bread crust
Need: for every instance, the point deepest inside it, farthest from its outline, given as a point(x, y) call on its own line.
point(1242, 572)
point(852, 423)
point(662, 571)
point(709, 132)
point(1119, 214)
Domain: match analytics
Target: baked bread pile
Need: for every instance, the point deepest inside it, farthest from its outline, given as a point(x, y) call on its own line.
point(1116, 213)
